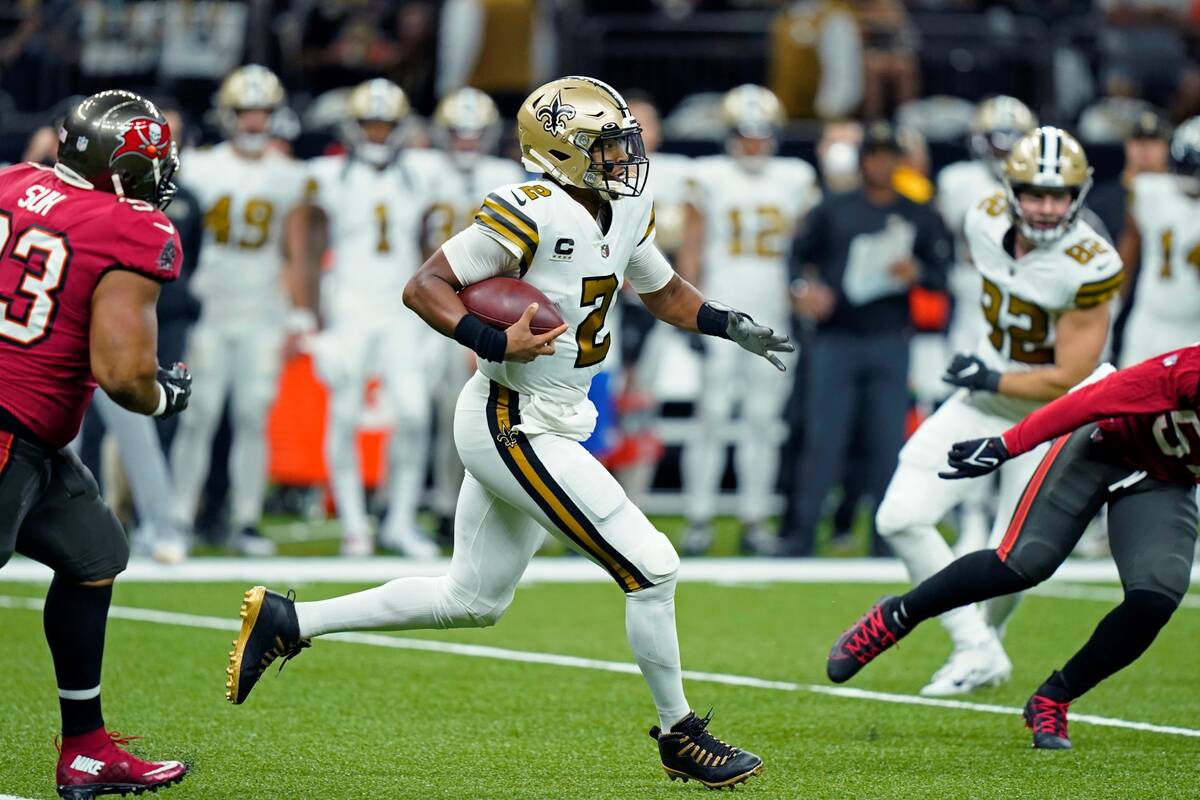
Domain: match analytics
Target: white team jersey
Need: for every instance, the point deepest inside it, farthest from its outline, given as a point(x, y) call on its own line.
point(1023, 298)
point(1168, 281)
point(670, 183)
point(749, 219)
point(245, 202)
point(960, 186)
point(559, 248)
point(374, 231)
point(456, 193)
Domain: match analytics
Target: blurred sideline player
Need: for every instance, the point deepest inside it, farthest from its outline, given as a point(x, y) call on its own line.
point(1047, 279)
point(466, 132)
point(998, 123)
point(247, 191)
point(1161, 239)
point(1121, 442)
point(373, 200)
point(744, 207)
point(84, 247)
point(574, 234)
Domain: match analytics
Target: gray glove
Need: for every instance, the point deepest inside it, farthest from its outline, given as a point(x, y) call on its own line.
point(758, 339)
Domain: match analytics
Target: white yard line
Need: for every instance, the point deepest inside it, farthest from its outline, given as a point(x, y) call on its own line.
point(13, 797)
point(551, 659)
point(725, 571)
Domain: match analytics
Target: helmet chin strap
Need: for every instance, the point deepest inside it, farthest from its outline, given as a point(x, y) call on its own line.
point(118, 189)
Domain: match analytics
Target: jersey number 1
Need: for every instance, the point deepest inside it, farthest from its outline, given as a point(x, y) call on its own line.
point(39, 288)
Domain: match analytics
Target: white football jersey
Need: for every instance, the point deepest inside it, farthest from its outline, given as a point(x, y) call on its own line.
point(749, 219)
point(456, 193)
point(559, 248)
point(670, 182)
point(245, 202)
point(374, 231)
point(1023, 298)
point(960, 186)
point(1168, 280)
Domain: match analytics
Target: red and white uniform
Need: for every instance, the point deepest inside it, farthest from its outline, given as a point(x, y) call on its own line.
point(1148, 415)
point(57, 240)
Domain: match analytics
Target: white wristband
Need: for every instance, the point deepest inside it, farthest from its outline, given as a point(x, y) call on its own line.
point(162, 401)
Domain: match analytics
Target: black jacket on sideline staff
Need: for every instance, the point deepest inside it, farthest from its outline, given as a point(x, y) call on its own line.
point(825, 240)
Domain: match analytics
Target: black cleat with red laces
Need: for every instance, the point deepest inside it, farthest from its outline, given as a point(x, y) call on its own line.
point(1046, 716)
point(875, 631)
point(269, 631)
point(95, 764)
point(688, 751)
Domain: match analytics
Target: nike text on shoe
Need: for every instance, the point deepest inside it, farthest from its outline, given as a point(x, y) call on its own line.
point(690, 752)
point(95, 764)
point(269, 631)
point(1047, 718)
point(875, 631)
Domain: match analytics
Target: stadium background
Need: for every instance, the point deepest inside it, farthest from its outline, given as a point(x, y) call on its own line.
point(921, 64)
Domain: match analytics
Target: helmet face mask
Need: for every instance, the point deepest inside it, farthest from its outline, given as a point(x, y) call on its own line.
point(579, 131)
point(466, 125)
point(245, 102)
point(1048, 161)
point(753, 117)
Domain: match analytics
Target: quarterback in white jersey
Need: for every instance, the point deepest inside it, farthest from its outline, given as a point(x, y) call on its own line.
point(372, 198)
point(466, 131)
point(575, 235)
point(235, 349)
point(744, 208)
point(1047, 281)
point(1164, 227)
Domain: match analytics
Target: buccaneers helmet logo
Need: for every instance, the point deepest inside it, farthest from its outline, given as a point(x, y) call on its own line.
point(554, 115)
point(144, 137)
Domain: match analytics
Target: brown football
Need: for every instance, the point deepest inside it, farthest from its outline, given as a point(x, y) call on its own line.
point(500, 302)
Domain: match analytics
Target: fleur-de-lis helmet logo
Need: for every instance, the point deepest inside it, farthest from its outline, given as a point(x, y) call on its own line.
point(554, 115)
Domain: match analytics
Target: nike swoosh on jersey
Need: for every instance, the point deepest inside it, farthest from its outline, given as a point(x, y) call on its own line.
point(520, 202)
point(168, 228)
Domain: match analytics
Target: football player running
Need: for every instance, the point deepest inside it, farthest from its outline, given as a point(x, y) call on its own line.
point(93, 247)
point(1047, 281)
point(247, 191)
point(466, 131)
point(1161, 243)
point(1128, 440)
point(744, 208)
point(575, 234)
point(371, 199)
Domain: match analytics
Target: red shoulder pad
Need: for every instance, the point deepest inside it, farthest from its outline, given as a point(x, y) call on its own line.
point(146, 241)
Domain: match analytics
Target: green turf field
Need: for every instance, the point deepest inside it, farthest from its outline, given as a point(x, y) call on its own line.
point(350, 720)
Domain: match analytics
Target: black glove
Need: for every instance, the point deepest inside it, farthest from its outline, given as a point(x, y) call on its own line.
point(971, 373)
point(176, 384)
point(975, 457)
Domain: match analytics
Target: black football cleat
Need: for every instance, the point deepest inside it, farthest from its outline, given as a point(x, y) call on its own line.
point(875, 631)
point(688, 751)
point(1046, 716)
point(269, 631)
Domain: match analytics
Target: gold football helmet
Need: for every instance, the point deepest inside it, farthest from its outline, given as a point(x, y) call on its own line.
point(379, 101)
point(466, 123)
point(996, 126)
point(249, 88)
point(1184, 156)
point(1048, 158)
point(751, 112)
point(579, 131)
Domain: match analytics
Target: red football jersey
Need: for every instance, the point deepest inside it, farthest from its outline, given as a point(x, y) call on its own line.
point(1147, 415)
point(56, 242)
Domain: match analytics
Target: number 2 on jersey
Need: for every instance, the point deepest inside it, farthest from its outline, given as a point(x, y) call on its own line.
point(41, 288)
point(592, 352)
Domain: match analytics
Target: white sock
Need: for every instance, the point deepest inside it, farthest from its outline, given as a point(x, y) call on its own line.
point(925, 552)
point(402, 604)
point(650, 626)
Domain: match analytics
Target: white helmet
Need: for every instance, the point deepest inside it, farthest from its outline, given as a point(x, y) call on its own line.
point(248, 88)
point(377, 100)
point(752, 112)
point(466, 114)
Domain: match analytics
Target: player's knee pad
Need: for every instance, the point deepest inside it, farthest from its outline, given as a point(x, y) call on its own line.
point(1033, 560)
point(462, 608)
point(658, 561)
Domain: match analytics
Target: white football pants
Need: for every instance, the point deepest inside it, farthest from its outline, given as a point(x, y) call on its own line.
point(732, 376)
point(917, 499)
point(516, 487)
point(1147, 335)
point(347, 356)
point(242, 362)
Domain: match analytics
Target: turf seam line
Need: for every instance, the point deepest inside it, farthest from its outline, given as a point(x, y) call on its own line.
point(552, 659)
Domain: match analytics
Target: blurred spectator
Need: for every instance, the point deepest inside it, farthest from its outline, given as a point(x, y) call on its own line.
point(38, 50)
point(1145, 151)
point(42, 147)
point(203, 41)
point(1145, 54)
point(837, 156)
point(891, 72)
point(857, 256)
point(815, 65)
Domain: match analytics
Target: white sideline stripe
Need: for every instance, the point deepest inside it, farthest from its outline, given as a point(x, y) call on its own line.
point(552, 659)
point(13, 797)
point(733, 571)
